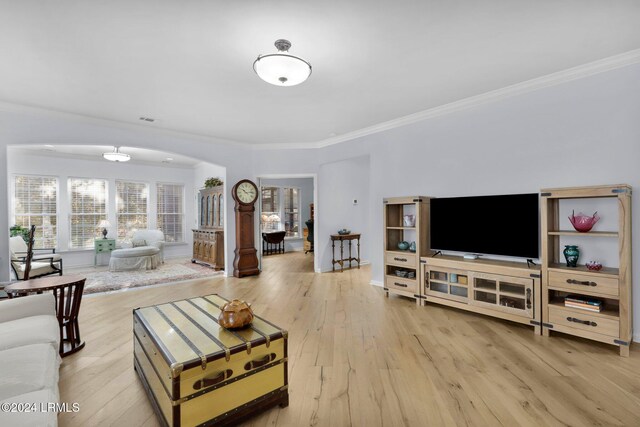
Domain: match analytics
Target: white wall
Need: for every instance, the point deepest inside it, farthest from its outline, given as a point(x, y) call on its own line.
point(306, 198)
point(21, 162)
point(342, 182)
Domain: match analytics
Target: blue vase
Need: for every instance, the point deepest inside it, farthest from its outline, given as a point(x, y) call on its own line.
point(571, 254)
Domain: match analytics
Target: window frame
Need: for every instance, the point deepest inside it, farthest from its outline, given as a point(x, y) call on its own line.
point(14, 214)
point(182, 213)
point(71, 213)
point(118, 214)
point(281, 210)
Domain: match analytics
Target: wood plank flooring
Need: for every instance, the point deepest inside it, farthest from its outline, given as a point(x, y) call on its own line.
point(360, 359)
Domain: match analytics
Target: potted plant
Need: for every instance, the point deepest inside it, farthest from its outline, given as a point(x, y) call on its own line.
point(18, 230)
point(212, 182)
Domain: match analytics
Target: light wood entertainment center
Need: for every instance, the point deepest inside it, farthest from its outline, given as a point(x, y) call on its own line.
point(517, 291)
point(508, 290)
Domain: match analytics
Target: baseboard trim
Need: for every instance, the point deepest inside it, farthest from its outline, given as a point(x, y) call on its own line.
point(376, 283)
point(329, 270)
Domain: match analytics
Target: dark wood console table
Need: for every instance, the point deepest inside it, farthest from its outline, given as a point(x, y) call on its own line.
point(341, 238)
point(67, 291)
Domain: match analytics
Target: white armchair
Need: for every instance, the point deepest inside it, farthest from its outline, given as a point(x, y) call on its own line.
point(42, 263)
point(151, 238)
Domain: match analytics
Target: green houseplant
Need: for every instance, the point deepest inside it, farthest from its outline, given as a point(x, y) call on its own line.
point(212, 182)
point(18, 230)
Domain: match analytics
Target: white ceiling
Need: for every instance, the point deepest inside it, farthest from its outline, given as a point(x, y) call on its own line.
point(189, 63)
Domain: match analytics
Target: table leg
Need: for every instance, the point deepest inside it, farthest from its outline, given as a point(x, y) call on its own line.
point(349, 253)
point(333, 255)
point(358, 253)
point(341, 255)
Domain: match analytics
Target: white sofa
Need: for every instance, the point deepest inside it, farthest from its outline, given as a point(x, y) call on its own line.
point(29, 360)
point(146, 253)
point(42, 264)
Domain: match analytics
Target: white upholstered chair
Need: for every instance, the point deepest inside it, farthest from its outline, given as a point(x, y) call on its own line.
point(43, 263)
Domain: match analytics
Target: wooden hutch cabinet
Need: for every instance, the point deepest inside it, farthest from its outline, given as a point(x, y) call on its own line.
point(208, 238)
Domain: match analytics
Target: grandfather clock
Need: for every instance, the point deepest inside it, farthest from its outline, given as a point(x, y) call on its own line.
point(245, 263)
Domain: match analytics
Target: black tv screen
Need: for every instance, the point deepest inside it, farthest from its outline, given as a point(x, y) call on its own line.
point(497, 225)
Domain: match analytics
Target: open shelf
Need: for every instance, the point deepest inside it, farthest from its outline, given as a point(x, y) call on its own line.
point(405, 219)
point(606, 271)
point(589, 233)
point(611, 285)
point(606, 313)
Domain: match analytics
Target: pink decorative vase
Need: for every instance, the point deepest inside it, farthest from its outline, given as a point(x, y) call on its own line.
point(583, 223)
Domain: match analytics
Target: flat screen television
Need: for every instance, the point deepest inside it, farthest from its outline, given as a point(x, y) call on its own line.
point(506, 225)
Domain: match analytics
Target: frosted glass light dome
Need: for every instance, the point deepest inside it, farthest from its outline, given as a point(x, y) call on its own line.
point(282, 69)
point(116, 156)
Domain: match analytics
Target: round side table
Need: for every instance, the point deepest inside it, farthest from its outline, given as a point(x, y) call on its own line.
point(67, 291)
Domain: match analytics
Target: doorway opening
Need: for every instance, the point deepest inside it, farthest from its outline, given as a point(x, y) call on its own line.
point(287, 207)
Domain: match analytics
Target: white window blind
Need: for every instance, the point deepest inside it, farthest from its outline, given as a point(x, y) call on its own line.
point(35, 203)
point(131, 207)
point(88, 206)
point(170, 211)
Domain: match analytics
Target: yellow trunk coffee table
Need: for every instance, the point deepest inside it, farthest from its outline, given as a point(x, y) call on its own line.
point(198, 373)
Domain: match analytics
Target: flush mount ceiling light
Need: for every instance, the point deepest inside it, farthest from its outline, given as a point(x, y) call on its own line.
point(116, 156)
point(282, 69)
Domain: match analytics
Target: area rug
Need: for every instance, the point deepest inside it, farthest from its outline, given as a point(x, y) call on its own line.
point(105, 281)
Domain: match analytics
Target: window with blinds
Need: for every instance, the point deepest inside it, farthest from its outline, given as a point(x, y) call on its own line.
point(88, 206)
point(131, 207)
point(35, 203)
point(170, 211)
point(280, 210)
point(270, 219)
point(292, 212)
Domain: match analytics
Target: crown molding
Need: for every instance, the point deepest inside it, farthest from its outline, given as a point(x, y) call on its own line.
point(10, 107)
point(575, 73)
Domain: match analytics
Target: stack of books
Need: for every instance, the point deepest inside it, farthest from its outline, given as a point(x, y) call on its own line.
point(583, 303)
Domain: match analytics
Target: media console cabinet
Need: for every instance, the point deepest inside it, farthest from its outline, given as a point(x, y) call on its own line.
point(507, 290)
point(531, 295)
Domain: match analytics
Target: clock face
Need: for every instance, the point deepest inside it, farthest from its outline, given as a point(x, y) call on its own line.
point(246, 192)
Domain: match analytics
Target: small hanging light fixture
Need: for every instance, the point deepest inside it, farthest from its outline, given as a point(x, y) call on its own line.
point(116, 156)
point(282, 69)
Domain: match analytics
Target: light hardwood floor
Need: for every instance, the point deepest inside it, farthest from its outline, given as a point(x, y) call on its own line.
point(358, 358)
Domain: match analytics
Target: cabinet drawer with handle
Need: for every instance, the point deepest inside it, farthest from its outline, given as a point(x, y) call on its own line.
point(397, 283)
point(583, 283)
point(583, 321)
point(401, 259)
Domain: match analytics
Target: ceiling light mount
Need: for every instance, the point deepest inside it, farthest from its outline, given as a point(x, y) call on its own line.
point(116, 156)
point(282, 69)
